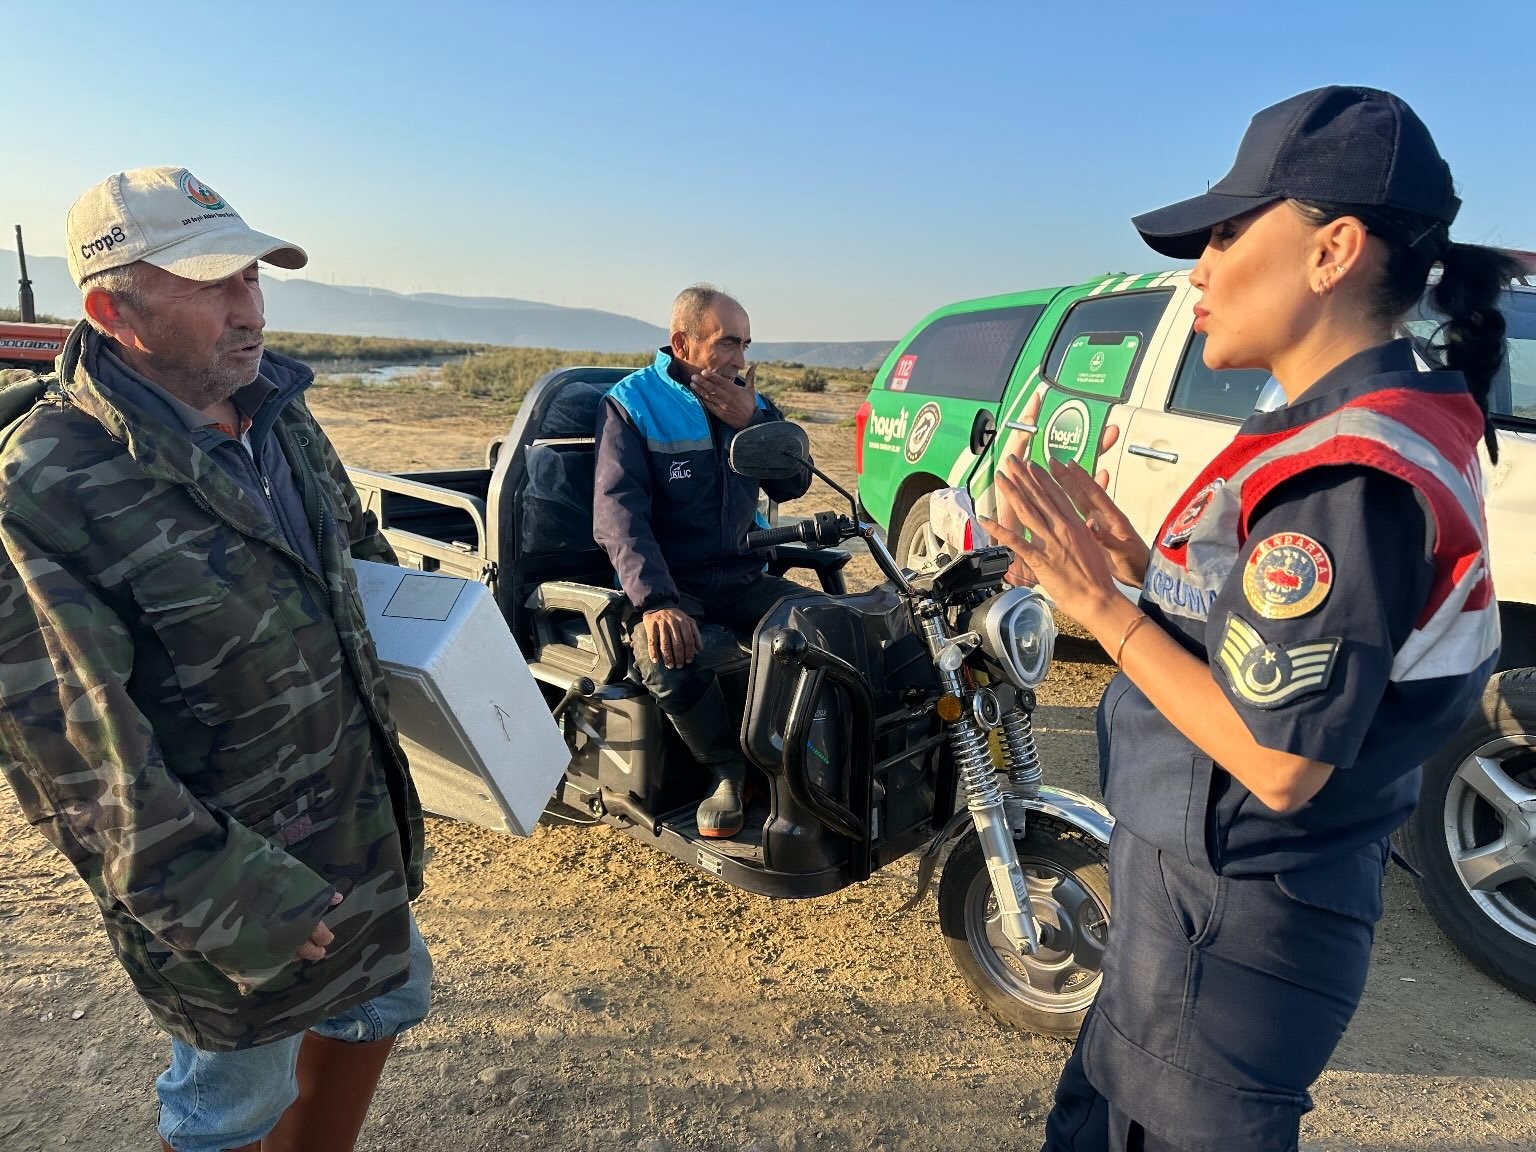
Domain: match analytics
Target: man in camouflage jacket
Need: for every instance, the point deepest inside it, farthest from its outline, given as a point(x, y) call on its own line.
point(193, 710)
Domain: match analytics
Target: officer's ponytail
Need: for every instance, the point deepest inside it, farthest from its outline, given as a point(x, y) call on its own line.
point(1471, 339)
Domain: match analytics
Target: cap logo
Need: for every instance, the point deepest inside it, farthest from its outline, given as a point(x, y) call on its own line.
point(199, 193)
point(104, 243)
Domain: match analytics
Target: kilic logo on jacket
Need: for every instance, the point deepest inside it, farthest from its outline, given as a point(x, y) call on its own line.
point(679, 471)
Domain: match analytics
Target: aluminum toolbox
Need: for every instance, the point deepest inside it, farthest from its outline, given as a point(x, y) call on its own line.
point(475, 725)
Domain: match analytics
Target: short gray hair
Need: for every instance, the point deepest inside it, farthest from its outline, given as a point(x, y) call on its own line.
point(125, 284)
point(694, 303)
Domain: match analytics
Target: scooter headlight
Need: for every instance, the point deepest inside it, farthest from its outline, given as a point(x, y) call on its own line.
point(1018, 633)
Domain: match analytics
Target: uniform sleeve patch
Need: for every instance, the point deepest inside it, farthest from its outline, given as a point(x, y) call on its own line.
point(1183, 526)
point(1287, 575)
point(1267, 675)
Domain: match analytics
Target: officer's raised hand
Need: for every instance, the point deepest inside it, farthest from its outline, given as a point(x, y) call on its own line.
point(1126, 551)
point(673, 636)
point(729, 401)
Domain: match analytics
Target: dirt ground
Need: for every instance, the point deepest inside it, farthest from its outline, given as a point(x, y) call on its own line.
point(592, 994)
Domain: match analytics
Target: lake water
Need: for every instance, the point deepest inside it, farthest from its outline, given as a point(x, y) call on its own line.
point(375, 374)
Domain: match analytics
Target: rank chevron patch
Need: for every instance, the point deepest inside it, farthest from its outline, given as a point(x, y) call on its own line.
point(1268, 675)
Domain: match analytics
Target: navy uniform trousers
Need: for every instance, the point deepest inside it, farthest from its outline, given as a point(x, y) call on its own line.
point(1222, 1001)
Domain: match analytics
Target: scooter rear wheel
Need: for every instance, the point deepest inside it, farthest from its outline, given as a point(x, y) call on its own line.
point(1067, 873)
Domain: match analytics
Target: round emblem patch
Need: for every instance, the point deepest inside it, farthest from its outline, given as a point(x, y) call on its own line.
point(924, 425)
point(1066, 432)
point(199, 193)
point(1288, 575)
point(1183, 524)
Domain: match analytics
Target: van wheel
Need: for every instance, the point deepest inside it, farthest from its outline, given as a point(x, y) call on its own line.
point(1067, 874)
point(917, 547)
point(1473, 834)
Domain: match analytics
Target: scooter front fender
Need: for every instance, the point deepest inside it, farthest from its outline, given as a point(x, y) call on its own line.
point(1082, 812)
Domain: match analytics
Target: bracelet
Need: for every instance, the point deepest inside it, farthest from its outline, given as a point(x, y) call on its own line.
point(1141, 618)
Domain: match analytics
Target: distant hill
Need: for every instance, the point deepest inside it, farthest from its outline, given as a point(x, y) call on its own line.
point(867, 354)
point(309, 306)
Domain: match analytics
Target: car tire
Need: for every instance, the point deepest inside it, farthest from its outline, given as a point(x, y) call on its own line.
point(916, 545)
point(1473, 834)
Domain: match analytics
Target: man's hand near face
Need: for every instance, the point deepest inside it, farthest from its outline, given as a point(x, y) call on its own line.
point(673, 636)
point(726, 400)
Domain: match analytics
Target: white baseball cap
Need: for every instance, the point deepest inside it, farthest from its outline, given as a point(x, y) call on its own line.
point(169, 218)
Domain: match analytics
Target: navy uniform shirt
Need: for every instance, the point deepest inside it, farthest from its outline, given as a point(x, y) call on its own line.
point(1333, 575)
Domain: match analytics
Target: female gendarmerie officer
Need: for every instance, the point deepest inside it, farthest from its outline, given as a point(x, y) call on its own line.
point(1315, 617)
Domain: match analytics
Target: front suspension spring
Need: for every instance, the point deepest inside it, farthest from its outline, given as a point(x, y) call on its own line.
point(1020, 755)
point(973, 756)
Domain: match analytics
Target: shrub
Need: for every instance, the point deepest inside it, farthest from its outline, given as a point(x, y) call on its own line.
point(313, 346)
point(508, 373)
point(13, 315)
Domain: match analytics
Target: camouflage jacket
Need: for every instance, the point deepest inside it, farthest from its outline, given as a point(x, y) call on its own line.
point(196, 718)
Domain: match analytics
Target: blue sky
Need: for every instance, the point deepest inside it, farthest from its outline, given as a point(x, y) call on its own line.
point(843, 167)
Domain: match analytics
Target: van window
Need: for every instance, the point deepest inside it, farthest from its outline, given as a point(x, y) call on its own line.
point(1229, 394)
point(1131, 312)
point(1514, 386)
point(968, 355)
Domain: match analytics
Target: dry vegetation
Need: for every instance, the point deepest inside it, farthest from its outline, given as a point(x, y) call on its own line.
point(13, 315)
point(502, 376)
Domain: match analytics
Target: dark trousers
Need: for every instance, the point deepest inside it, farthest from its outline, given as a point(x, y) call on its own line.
point(691, 696)
point(1082, 1119)
point(1223, 999)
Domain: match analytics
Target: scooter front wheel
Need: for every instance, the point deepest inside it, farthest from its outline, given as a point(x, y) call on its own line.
point(1067, 874)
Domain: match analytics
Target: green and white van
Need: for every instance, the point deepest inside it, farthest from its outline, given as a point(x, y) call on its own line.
point(971, 379)
point(1096, 353)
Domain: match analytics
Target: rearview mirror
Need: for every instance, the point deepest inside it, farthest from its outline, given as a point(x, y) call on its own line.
point(1271, 397)
point(777, 450)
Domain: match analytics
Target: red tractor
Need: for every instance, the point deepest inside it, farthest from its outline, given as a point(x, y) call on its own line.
point(31, 346)
point(28, 344)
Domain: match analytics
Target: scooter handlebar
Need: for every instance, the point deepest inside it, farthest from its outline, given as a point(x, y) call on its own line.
point(803, 532)
point(824, 528)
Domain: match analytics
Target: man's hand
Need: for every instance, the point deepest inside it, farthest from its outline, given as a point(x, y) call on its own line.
point(673, 636)
point(727, 400)
point(320, 939)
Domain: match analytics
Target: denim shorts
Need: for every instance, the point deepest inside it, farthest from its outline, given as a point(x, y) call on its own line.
point(211, 1101)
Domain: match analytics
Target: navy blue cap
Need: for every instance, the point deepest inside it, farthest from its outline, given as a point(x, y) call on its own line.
point(1340, 145)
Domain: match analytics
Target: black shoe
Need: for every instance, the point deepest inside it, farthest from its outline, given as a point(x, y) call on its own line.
point(721, 814)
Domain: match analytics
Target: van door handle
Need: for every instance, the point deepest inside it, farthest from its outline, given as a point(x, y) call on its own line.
point(1152, 453)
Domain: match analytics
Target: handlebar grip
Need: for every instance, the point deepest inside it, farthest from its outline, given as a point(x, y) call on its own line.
point(805, 532)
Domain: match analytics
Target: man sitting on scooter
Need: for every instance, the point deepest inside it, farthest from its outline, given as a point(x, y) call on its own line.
point(673, 518)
